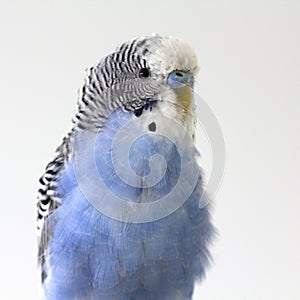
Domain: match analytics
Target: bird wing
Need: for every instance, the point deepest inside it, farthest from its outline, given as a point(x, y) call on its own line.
point(48, 198)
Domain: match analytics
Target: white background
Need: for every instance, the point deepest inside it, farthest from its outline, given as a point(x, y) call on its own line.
point(249, 53)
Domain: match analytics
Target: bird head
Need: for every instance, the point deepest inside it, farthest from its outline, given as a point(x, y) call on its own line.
point(151, 73)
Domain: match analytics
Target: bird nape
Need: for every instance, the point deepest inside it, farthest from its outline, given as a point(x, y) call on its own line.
point(118, 209)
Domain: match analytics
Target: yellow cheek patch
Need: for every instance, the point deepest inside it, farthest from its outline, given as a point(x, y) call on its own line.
point(184, 97)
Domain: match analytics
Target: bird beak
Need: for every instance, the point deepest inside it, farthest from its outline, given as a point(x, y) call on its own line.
point(184, 97)
point(182, 83)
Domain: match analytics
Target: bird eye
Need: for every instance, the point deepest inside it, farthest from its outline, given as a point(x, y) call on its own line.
point(144, 72)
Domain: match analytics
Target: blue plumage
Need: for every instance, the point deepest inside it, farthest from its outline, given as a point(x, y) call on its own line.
point(119, 204)
point(93, 256)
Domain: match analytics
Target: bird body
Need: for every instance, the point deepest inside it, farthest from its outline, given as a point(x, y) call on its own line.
point(119, 204)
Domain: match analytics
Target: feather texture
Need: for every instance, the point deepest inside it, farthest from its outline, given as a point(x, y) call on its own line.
point(85, 253)
point(94, 256)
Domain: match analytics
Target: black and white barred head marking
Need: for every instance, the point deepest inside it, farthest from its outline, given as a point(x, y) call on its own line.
point(133, 76)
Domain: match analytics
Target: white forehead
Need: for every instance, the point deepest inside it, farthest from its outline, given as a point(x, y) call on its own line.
point(165, 54)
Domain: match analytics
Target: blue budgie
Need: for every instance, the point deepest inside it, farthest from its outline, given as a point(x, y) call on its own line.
point(118, 210)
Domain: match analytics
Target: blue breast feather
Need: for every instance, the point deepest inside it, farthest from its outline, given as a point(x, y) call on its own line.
point(92, 256)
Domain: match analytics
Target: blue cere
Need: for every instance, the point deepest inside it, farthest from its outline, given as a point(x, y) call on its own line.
point(179, 79)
